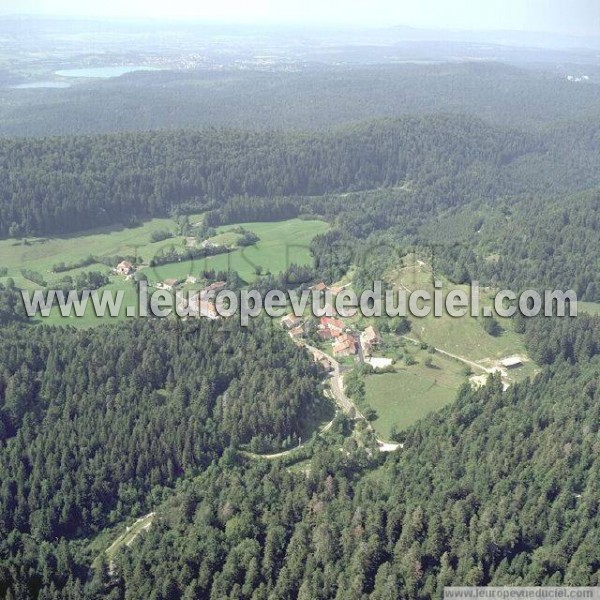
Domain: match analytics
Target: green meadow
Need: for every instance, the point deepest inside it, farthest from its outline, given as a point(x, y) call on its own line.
point(41, 254)
point(463, 336)
point(400, 399)
point(280, 244)
point(590, 308)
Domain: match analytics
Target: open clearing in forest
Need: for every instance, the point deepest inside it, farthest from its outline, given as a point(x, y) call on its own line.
point(463, 336)
point(415, 390)
point(41, 254)
point(124, 539)
point(281, 243)
point(590, 308)
point(412, 392)
point(401, 399)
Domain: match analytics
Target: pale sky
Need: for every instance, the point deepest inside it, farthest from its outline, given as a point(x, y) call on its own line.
point(559, 16)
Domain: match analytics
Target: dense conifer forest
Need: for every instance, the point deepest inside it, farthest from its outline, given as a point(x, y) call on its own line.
point(59, 185)
point(310, 99)
point(500, 487)
point(484, 171)
point(492, 191)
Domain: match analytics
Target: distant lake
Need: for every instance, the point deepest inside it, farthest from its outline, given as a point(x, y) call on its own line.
point(41, 84)
point(102, 72)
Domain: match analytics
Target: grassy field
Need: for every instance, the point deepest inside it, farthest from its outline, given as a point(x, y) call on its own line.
point(280, 244)
point(41, 254)
point(402, 398)
point(227, 238)
point(461, 336)
point(591, 308)
point(89, 319)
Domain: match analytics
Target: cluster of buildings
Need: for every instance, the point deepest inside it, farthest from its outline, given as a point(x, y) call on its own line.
point(127, 270)
point(370, 338)
point(578, 79)
point(203, 307)
point(294, 326)
point(343, 341)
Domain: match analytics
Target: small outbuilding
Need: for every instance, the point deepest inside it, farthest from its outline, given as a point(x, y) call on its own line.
point(512, 362)
point(291, 321)
point(124, 268)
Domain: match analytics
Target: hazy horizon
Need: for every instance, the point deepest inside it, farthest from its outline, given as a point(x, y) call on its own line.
point(578, 17)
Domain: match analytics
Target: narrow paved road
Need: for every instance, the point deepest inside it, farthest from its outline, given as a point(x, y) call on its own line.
point(342, 400)
point(346, 405)
point(337, 383)
point(324, 429)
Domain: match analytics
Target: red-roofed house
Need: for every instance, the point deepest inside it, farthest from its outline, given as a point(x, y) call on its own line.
point(345, 346)
point(336, 326)
point(325, 334)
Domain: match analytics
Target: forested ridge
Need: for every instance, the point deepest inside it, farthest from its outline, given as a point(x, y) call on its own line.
point(60, 185)
point(69, 184)
point(500, 204)
point(314, 98)
point(498, 488)
point(524, 243)
point(100, 426)
point(93, 424)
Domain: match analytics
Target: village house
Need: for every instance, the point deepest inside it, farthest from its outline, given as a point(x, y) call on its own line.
point(124, 268)
point(297, 333)
point(203, 308)
point(345, 346)
point(169, 284)
point(369, 338)
point(216, 287)
point(335, 326)
point(325, 334)
point(207, 310)
point(319, 287)
point(291, 321)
